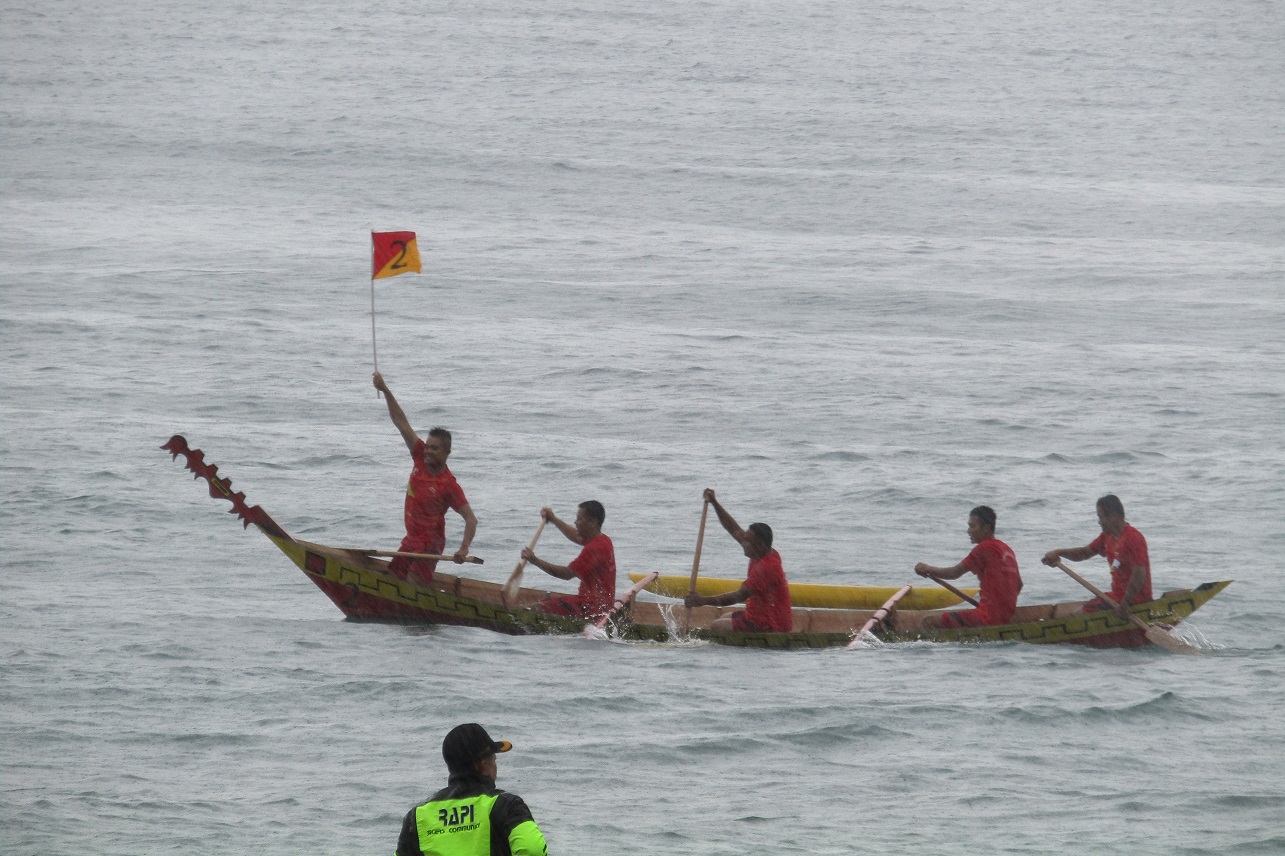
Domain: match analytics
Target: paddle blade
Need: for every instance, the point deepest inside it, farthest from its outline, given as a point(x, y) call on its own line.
point(859, 640)
point(1162, 638)
point(1157, 636)
point(514, 582)
point(512, 586)
point(865, 639)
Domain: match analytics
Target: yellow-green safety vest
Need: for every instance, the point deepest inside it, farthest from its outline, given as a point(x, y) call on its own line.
point(459, 827)
point(462, 827)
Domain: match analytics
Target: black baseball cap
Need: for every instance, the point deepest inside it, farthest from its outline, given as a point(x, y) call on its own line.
point(469, 743)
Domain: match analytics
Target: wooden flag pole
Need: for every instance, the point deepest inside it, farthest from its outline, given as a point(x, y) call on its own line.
point(374, 350)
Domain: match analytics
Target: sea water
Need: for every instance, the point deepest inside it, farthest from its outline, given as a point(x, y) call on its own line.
point(857, 266)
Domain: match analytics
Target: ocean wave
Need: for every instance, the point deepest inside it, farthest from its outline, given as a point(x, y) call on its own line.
point(840, 455)
point(1169, 706)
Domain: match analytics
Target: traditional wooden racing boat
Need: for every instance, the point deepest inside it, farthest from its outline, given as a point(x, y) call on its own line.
point(363, 588)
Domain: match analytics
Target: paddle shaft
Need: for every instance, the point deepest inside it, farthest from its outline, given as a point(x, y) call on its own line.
point(472, 560)
point(1158, 636)
point(950, 588)
point(621, 602)
point(511, 585)
point(880, 614)
point(696, 564)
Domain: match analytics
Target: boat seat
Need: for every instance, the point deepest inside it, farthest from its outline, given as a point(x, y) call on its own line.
point(1062, 610)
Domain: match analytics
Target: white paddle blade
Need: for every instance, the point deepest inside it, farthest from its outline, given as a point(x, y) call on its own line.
point(511, 588)
point(514, 583)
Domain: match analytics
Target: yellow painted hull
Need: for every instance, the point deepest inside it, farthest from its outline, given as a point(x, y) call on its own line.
point(816, 596)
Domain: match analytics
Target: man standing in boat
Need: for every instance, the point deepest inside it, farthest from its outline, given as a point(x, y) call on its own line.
point(765, 592)
point(430, 491)
point(1126, 553)
point(595, 567)
point(471, 816)
point(996, 568)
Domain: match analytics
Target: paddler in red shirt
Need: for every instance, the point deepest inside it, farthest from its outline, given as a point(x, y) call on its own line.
point(595, 567)
point(429, 492)
point(996, 568)
point(765, 592)
point(1126, 553)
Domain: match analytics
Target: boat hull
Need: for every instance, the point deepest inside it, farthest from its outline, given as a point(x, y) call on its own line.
point(364, 588)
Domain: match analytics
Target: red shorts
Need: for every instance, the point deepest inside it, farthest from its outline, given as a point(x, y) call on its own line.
point(415, 570)
point(740, 624)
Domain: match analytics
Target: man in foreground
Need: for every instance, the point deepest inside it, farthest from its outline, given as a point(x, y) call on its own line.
point(431, 490)
point(765, 592)
point(996, 568)
point(595, 567)
point(470, 816)
point(1126, 553)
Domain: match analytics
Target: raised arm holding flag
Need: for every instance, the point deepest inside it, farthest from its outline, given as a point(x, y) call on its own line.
point(431, 490)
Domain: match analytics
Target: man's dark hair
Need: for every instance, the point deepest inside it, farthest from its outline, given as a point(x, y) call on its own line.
point(442, 434)
point(763, 532)
point(985, 515)
point(1111, 504)
point(594, 511)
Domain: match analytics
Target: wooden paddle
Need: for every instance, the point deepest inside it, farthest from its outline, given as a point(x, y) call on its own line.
point(950, 588)
point(514, 581)
point(1157, 636)
point(879, 615)
point(441, 557)
point(696, 566)
point(619, 606)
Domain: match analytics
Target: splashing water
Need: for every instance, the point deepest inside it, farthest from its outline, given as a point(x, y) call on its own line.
point(671, 623)
point(1191, 634)
point(596, 633)
point(866, 640)
point(672, 626)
